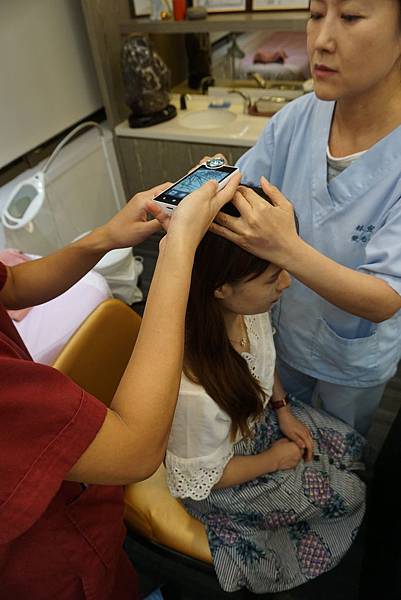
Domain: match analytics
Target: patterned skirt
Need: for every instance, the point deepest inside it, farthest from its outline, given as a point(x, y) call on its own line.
point(285, 528)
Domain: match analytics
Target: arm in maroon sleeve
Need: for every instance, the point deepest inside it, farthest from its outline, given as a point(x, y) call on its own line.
point(46, 423)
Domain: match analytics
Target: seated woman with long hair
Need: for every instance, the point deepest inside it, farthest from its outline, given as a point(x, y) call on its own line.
point(273, 483)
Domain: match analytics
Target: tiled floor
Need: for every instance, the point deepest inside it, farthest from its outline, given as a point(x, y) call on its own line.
point(342, 582)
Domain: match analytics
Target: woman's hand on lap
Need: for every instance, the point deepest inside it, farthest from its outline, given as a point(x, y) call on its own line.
point(296, 431)
point(287, 455)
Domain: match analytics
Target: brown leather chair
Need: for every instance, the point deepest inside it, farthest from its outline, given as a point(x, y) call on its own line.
point(165, 543)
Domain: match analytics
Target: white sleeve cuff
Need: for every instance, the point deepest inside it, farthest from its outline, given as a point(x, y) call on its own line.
point(195, 477)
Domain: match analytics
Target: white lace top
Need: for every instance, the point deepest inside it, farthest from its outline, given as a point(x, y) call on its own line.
point(200, 446)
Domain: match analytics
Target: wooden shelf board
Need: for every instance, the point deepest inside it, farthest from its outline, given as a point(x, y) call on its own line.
point(256, 21)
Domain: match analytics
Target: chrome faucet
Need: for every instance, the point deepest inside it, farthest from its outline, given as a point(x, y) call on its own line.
point(247, 101)
point(205, 83)
point(259, 79)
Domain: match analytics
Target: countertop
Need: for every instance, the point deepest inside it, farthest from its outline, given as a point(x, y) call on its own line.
point(243, 131)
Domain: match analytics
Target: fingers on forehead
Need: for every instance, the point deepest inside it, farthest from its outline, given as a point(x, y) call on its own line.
point(223, 219)
point(224, 232)
point(239, 200)
point(247, 192)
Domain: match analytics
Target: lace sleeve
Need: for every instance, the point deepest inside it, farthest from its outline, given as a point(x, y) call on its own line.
point(199, 445)
point(195, 477)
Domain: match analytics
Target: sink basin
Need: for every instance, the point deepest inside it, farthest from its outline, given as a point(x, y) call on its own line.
point(206, 119)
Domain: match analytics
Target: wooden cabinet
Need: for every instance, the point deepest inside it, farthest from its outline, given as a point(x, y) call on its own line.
point(146, 163)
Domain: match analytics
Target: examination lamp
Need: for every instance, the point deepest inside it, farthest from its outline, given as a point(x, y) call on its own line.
point(27, 197)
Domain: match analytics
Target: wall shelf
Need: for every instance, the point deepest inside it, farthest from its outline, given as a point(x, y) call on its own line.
point(238, 22)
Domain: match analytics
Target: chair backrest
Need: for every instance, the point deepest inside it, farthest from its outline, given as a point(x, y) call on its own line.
point(96, 356)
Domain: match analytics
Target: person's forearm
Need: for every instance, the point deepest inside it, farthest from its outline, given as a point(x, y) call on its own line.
point(358, 293)
point(245, 468)
point(38, 281)
point(147, 394)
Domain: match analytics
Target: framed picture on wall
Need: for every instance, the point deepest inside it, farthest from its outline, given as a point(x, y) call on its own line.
point(280, 4)
point(221, 5)
point(140, 8)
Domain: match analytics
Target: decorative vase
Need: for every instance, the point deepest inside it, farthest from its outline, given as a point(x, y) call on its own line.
point(147, 82)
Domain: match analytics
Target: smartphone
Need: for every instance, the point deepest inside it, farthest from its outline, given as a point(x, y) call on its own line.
point(172, 196)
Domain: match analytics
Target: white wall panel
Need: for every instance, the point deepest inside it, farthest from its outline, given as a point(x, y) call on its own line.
point(47, 78)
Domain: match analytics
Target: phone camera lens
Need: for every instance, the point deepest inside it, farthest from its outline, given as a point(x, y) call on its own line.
point(215, 163)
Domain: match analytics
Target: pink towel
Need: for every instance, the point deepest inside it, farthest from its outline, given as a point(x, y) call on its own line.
point(12, 257)
point(263, 56)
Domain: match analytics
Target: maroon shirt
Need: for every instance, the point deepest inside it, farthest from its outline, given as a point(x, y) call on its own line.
point(58, 539)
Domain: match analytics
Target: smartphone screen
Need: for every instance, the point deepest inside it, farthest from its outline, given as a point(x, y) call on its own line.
point(192, 182)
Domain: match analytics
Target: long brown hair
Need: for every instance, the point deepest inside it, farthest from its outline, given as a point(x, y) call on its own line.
point(210, 359)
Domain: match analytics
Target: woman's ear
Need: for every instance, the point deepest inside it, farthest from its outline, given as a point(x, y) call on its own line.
point(222, 292)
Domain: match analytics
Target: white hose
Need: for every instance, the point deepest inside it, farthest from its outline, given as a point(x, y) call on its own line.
point(67, 138)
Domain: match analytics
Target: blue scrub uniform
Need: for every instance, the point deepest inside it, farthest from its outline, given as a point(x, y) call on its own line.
point(355, 220)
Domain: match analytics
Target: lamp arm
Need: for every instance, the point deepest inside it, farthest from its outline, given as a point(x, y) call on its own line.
point(68, 137)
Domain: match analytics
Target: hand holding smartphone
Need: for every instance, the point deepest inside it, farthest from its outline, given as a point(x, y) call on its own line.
point(212, 169)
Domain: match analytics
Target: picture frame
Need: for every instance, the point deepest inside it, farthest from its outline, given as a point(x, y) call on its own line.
point(219, 6)
point(280, 5)
point(140, 8)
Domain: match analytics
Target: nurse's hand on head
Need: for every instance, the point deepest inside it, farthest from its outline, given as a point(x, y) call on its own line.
point(266, 230)
point(195, 213)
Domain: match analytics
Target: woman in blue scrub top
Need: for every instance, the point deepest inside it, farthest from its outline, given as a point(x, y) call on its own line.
point(336, 155)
